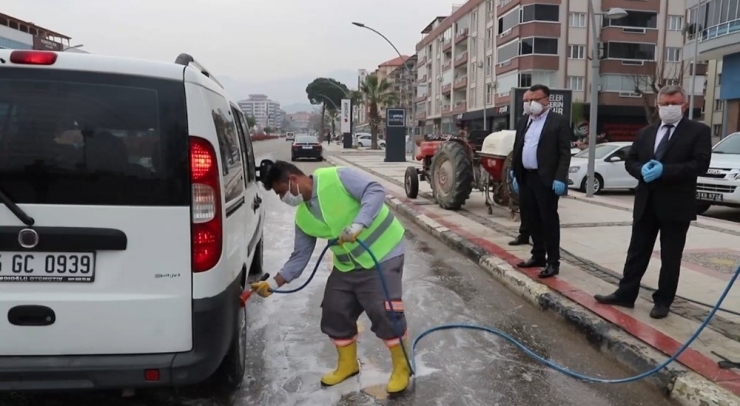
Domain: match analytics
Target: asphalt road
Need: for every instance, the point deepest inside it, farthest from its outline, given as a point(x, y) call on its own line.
point(288, 353)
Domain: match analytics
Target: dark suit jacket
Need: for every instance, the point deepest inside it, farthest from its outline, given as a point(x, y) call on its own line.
point(553, 151)
point(673, 195)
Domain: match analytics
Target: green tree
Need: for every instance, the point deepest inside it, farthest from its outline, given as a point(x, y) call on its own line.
point(332, 117)
point(269, 130)
point(376, 94)
point(328, 93)
point(251, 122)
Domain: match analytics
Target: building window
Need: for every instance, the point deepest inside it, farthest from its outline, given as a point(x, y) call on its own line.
point(508, 51)
point(489, 10)
point(635, 19)
point(673, 54)
point(622, 83)
point(719, 105)
point(719, 79)
point(718, 13)
point(675, 23)
point(474, 21)
point(541, 46)
point(577, 20)
point(539, 12)
point(508, 21)
point(575, 83)
point(473, 45)
point(489, 38)
point(489, 93)
point(717, 130)
point(489, 65)
point(525, 80)
point(576, 51)
point(629, 51)
point(473, 97)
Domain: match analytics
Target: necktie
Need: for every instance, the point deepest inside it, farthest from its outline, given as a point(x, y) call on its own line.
point(660, 151)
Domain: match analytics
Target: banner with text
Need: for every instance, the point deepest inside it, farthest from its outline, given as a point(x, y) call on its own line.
point(346, 116)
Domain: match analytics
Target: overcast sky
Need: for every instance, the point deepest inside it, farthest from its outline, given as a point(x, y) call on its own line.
point(260, 43)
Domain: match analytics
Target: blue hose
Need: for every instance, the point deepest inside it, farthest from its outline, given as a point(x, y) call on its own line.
point(410, 357)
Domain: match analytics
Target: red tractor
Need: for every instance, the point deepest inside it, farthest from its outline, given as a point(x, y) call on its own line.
point(451, 166)
point(455, 166)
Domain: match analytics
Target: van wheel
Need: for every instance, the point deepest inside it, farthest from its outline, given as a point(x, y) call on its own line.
point(230, 373)
point(257, 262)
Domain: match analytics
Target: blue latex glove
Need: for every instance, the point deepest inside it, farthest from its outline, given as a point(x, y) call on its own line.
point(514, 184)
point(655, 172)
point(647, 167)
point(558, 187)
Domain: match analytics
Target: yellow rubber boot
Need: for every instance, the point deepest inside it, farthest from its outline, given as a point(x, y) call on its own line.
point(401, 374)
point(347, 366)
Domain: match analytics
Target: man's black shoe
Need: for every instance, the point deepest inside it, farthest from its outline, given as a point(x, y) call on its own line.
point(532, 263)
point(550, 271)
point(660, 311)
point(614, 300)
point(520, 240)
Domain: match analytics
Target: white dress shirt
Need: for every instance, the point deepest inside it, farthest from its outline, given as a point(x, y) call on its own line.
point(664, 132)
point(532, 140)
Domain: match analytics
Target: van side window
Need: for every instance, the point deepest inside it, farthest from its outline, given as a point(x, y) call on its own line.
point(228, 144)
point(246, 149)
point(250, 149)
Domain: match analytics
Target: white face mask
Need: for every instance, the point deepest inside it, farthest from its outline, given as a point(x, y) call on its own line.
point(670, 114)
point(527, 109)
point(291, 199)
point(535, 108)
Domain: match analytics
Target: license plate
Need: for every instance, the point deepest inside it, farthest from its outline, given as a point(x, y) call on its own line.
point(307, 147)
point(47, 267)
point(712, 197)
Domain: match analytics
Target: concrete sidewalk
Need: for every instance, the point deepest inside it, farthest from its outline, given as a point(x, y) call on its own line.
point(595, 237)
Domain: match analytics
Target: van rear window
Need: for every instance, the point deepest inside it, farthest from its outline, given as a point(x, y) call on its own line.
point(81, 138)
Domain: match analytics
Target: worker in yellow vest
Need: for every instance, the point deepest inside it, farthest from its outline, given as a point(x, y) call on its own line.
point(341, 203)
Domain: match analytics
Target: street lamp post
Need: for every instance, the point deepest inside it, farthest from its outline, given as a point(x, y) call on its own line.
point(485, 97)
point(693, 59)
point(611, 14)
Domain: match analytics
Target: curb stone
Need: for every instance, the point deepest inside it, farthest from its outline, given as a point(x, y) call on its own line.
point(676, 381)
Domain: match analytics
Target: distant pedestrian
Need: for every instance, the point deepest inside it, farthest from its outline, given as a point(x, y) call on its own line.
point(665, 158)
point(541, 162)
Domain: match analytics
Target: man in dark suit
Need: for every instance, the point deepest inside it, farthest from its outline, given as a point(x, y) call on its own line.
point(523, 237)
point(541, 161)
point(666, 158)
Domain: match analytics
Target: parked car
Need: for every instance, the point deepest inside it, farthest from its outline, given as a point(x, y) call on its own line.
point(129, 241)
point(365, 140)
point(720, 186)
point(306, 146)
point(610, 172)
point(289, 137)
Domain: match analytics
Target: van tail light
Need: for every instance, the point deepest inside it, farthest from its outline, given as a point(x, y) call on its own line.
point(207, 226)
point(33, 57)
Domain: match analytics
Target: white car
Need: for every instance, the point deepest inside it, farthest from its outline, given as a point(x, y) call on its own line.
point(365, 140)
point(131, 217)
point(610, 172)
point(289, 137)
point(720, 186)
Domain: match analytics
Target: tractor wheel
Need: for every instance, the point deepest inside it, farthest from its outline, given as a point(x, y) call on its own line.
point(452, 175)
point(411, 182)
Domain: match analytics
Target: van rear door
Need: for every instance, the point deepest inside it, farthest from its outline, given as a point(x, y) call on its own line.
point(100, 162)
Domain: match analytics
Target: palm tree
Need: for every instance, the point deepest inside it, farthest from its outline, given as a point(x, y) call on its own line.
point(332, 116)
point(376, 94)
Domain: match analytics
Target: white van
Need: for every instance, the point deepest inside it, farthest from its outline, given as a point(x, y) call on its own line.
point(130, 218)
point(289, 136)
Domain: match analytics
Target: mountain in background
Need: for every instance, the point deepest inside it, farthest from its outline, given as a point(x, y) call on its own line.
point(288, 91)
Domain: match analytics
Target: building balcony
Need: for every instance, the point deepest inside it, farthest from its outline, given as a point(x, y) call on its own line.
point(446, 109)
point(629, 34)
point(446, 66)
point(447, 45)
point(630, 67)
point(461, 59)
point(461, 36)
point(529, 62)
point(715, 42)
point(460, 107)
point(446, 89)
point(421, 115)
point(422, 98)
point(422, 61)
point(423, 79)
point(460, 82)
point(632, 5)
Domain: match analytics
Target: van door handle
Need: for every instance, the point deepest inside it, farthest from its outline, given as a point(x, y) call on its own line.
point(256, 203)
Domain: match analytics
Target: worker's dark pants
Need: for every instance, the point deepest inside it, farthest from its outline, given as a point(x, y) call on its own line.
point(348, 294)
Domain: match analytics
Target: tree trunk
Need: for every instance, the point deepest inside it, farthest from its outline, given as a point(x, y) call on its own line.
point(323, 115)
point(374, 120)
point(333, 129)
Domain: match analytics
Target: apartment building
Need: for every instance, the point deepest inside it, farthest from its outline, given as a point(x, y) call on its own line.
point(404, 84)
point(475, 57)
point(714, 35)
point(266, 113)
point(386, 71)
point(360, 111)
point(18, 34)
